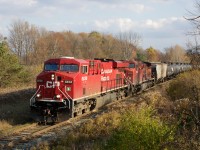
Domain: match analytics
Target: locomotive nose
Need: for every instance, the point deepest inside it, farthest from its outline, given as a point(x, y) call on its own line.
point(49, 85)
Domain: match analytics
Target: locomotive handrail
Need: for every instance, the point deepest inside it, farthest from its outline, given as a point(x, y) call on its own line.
point(65, 96)
point(35, 94)
point(128, 80)
point(68, 99)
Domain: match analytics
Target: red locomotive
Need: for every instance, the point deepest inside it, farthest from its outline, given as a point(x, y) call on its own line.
point(77, 86)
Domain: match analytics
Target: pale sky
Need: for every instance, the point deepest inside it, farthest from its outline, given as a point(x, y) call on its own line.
point(160, 23)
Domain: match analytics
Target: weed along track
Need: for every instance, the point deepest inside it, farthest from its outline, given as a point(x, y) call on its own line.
point(32, 135)
point(20, 137)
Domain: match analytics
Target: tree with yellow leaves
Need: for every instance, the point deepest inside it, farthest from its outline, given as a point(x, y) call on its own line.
point(152, 54)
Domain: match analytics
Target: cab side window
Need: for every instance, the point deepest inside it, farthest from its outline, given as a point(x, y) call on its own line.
point(131, 65)
point(84, 69)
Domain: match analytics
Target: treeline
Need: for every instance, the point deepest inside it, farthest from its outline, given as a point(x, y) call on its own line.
point(32, 45)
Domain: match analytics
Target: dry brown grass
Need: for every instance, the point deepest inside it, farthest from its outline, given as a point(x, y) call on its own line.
point(7, 128)
point(42, 146)
point(4, 125)
point(90, 134)
point(14, 109)
point(102, 125)
point(15, 88)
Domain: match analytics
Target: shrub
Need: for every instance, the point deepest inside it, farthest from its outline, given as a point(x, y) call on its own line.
point(185, 93)
point(187, 85)
point(11, 72)
point(90, 135)
point(139, 130)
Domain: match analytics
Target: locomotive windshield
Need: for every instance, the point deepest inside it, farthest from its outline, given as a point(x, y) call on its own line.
point(131, 65)
point(69, 68)
point(51, 67)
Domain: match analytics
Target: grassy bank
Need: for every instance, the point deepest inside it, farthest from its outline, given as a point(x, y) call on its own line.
point(14, 108)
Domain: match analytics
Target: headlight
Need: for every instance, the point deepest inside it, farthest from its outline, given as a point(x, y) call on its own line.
point(57, 96)
point(52, 77)
point(38, 95)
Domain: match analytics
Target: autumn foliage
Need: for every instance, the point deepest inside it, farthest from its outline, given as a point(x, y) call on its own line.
point(30, 46)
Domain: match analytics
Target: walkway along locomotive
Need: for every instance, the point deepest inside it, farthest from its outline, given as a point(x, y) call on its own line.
point(76, 86)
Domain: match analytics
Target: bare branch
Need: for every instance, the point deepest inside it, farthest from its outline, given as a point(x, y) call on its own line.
point(192, 18)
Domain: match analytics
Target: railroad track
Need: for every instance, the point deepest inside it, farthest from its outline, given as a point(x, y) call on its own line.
point(32, 135)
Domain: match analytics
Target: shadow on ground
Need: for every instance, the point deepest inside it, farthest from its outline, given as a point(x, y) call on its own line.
point(14, 106)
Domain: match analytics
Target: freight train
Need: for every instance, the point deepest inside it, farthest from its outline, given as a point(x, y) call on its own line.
point(76, 86)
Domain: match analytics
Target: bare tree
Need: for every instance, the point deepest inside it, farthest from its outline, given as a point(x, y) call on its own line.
point(128, 42)
point(109, 46)
point(175, 54)
point(22, 39)
point(194, 52)
point(91, 45)
point(194, 47)
point(73, 42)
point(194, 18)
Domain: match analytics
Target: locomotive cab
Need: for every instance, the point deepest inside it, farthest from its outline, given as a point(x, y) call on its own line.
point(55, 84)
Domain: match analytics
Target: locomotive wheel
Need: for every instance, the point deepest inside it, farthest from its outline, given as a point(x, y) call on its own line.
point(93, 104)
point(85, 110)
point(120, 94)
